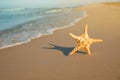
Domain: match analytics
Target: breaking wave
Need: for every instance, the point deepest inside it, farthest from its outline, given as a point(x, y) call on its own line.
point(41, 22)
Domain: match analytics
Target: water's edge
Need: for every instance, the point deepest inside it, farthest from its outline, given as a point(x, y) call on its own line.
point(40, 35)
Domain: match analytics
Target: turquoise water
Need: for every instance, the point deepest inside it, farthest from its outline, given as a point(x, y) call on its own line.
point(21, 24)
point(11, 17)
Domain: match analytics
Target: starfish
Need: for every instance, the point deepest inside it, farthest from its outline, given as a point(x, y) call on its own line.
point(83, 42)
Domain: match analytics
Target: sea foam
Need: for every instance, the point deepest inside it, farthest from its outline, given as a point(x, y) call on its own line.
point(55, 19)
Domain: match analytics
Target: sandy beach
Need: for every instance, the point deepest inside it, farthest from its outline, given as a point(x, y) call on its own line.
point(46, 57)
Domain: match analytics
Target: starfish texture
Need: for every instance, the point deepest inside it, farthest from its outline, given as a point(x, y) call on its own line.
point(83, 42)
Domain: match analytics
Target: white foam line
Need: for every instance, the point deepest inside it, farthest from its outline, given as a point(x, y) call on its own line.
point(39, 35)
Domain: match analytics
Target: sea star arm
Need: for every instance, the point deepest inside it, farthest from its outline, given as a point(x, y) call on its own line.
point(86, 30)
point(88, 50)
point(95, 40)
point(73, 36)
point(73, 51)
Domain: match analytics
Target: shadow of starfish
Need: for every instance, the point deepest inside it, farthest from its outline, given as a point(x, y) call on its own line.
point(65, 50)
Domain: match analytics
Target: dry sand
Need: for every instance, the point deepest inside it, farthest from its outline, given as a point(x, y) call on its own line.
point(45, 58)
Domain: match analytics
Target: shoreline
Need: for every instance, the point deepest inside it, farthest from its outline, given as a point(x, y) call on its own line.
point(50, 32)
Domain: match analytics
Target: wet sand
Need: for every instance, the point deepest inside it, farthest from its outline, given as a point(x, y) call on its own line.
point(46, 58)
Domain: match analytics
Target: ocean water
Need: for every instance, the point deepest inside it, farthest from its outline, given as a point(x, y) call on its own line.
point(19, 25)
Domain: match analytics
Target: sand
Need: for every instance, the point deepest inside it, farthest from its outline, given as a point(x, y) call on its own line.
point(46, 57)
